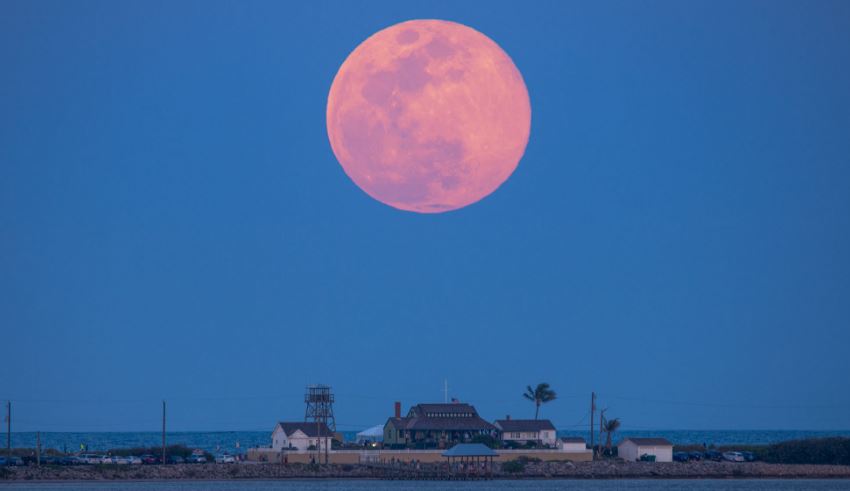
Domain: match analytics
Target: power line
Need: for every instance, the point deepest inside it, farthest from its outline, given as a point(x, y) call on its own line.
point(731, 405)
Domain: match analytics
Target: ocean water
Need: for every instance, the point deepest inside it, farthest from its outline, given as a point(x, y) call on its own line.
point(368, 485)
point(227, 441)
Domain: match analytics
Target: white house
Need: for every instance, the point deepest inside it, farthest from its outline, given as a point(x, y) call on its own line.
point(630, 449)
point(572, 444)
point(301, 436)
point(525, 430)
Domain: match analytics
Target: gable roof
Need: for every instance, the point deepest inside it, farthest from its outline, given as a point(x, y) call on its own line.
point(457, 424)
point(470, 450)
point(649, 442)
point(524, 424)
point(416, 423)
point(454, 416)
point(309, 429)
point(442, 408)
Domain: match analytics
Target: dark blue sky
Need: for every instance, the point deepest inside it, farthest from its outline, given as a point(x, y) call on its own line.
point(173, 223)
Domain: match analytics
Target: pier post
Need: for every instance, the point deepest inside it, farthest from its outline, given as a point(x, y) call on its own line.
point(163, 433)
point(9, 428)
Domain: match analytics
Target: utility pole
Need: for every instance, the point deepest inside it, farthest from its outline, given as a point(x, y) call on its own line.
point(446, 390)
point(163, 432)
point(9, 428)
point(38, 448)
point(592, 412)
point(601, 426)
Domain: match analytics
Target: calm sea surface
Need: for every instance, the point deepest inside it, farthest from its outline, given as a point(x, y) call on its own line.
point(213, 441)
point(730, 485)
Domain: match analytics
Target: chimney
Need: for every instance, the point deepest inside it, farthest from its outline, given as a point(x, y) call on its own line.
point(397, 409)
point(508, 417)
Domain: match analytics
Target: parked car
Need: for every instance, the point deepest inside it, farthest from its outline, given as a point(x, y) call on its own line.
point(176, 459)
point(2, 461)
point(196, 459)
point(90, 458)
point(733, 456)
point(695, 456)
point(121, 460)
point(713, 455)
point(107, 459)
point(749, 456)
point(149, 459)
point(72, 460)
point(51, 460)
point(225, 459)
point(134, 460)
point(16, 461)
point(680, 457)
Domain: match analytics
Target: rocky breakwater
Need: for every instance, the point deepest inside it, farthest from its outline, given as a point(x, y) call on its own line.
point(528, 470)
point(182, 472)
point(676, 470)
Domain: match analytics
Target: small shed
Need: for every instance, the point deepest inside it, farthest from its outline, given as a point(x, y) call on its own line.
point(572, 444)
point(470, 459)
point(631, 449)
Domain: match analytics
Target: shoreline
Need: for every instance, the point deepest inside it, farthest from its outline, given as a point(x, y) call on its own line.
point(599, 470)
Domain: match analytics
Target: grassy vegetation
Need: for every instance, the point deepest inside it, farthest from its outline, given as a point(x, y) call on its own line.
point(756, 449)
point(513, 466)
point(835, 451)
point(518, 464)
point(823, 451)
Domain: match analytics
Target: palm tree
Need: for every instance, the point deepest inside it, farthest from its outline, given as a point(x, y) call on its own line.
point(610, 426)
point(539, 395)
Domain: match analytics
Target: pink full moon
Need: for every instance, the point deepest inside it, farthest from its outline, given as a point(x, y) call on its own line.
point(428, 116)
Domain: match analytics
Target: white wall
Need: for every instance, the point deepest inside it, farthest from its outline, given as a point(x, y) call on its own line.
point(662, 453)
point(279, 439)
point(572, 447)
point(630, 452)
point(546, 436)
point(302, 442)
point(298, 440)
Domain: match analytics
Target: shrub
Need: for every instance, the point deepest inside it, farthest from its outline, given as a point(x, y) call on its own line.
point(526, 459)
point(834, 451)
point(514, 466)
